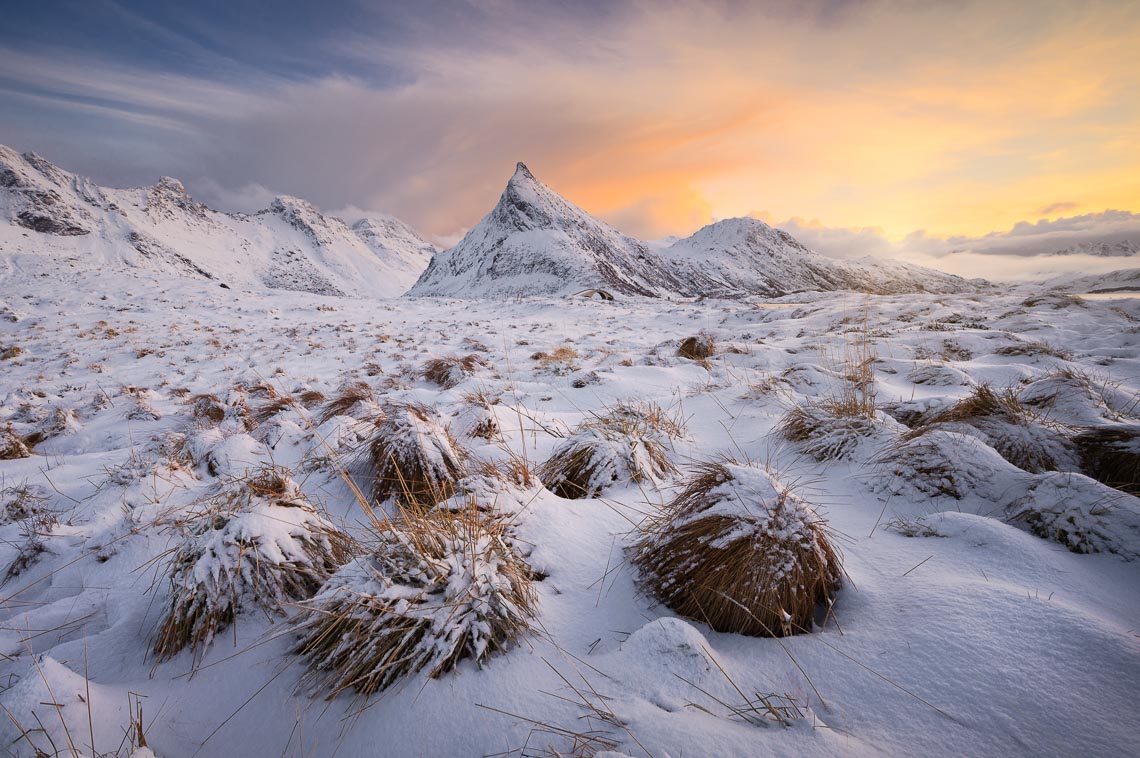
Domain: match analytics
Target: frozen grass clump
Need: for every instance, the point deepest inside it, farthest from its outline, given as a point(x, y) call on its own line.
point(1079, 513)
point(741, 552)
point(698, 347)
point(11, 446)
point(441, 586)
point(412, 458)
point(824, 434)
point(476, 419)
point(354, 399)
point(22, 503)
point(630, 442)
point(1080, 398)
point(256, 544)
point(1017, 432)
point(450, 370)
point(938, 463)
point(1111, 455)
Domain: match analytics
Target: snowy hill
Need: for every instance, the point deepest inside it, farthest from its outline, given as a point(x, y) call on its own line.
point(534, 242)
point(55, 217)
point(746, 256)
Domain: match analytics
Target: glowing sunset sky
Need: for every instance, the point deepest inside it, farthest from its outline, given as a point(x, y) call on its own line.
point(955, 118)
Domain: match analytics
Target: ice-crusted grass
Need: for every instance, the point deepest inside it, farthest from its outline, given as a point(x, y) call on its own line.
point(256, 544)
point(629, 442)
point(411, 457)
point(739, 551)
point(439, 587)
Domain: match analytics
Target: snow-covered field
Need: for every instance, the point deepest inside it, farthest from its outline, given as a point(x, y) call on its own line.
point(957, 631)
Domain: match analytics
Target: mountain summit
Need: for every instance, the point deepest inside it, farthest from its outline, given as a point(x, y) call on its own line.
point(535, 242)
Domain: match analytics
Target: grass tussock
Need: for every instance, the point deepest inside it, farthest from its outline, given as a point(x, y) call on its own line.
point(739, 551)
point(819, 431)
point(451, 370)
point(629, 442)
point(1015, 430)
point(1111, 455)
point(560, 361)
point(11, 446)
point(412, 458)
point(440, 587)
point(256, 544)
point(352, 399)
point(698, 347)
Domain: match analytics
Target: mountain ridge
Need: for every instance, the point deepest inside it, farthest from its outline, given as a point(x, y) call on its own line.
point(535, 242)
point(289, 245)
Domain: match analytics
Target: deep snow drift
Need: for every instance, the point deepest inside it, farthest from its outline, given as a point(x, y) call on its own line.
point(966, 622)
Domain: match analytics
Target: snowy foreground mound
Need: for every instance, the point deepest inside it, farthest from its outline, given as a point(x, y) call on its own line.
point(49, 213)
point(217, 530)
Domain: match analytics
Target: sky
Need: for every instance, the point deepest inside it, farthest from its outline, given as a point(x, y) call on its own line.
point(920, 130)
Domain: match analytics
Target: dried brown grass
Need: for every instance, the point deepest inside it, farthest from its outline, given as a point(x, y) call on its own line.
point(741, 555)
point(698, 347)
point(412, 458)
point(349, 400)
point(440, 587)
point(449, 371)
point(256, 543)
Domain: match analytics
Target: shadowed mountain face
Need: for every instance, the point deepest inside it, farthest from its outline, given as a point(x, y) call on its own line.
point(291, 245)
point(534, 242)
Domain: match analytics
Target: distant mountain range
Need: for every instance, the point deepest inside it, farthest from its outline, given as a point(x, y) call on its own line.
point(533, 242)
point(290, 245)
point(1101, 249)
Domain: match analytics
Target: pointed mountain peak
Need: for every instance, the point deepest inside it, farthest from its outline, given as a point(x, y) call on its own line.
point(522, 173)
point(171, 186)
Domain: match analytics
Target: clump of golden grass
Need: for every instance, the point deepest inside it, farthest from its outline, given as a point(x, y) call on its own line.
point(824, 434)
point(11, 446)
point(257, 543)
point(441, 586)
point(698, 347)
point(1111, 455)
point(1032, 348)
point(560, 361)
point(351, 399)
point(450, 370)
point(311, 398)
point(412, 458)
point(739, 551)
point(475, 418)
point(207, 407)
point(629, 442)
point(266, 411)
point(1013, 429)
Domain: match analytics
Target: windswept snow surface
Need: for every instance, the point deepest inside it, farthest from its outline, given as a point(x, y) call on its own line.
point(982, 639)
point(50, 213)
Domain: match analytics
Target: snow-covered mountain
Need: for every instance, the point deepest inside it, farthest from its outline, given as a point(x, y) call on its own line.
point(1100, 249)
point(746, 256)
point(291, 245)
point(534, 242)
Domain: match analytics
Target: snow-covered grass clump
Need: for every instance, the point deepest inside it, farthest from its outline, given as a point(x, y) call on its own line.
point(256, 544)
point(440, 586)
point(411, 457)
point(739, 551)
point(1079, 513)
point(630, 442)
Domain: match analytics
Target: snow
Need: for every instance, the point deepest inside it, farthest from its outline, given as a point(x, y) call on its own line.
point(994, 637)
